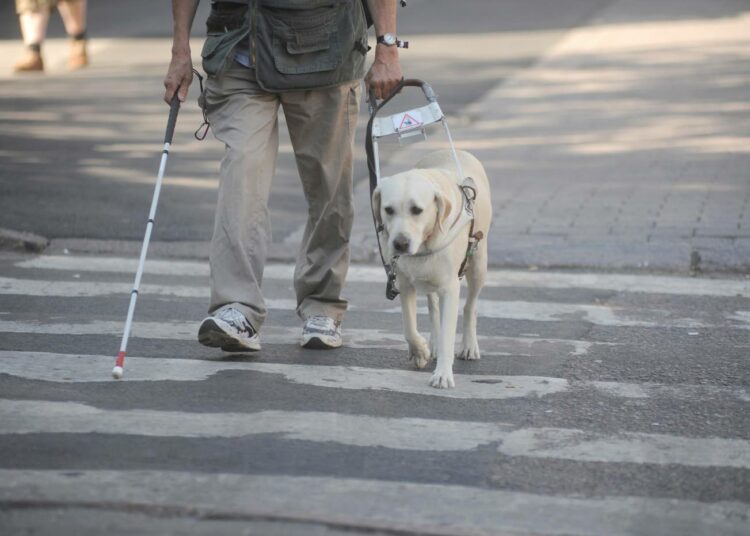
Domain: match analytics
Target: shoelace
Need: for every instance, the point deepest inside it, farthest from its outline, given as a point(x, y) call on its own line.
point(322, 323)
point(237, 320)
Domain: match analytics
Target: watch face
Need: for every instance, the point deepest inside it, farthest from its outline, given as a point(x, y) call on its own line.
point(389, 39)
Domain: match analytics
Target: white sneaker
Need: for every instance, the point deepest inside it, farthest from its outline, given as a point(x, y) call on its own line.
point(230, 331)
point(321, 333)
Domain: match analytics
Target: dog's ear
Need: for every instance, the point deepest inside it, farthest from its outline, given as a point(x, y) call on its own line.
point(376, 206)
point(444, 207)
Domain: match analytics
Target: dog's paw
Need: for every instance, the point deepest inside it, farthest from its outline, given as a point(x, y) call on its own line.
point(469, 352)
point(419, 353)
point(442, 380)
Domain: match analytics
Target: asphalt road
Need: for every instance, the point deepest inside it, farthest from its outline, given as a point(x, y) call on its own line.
point(603, 404)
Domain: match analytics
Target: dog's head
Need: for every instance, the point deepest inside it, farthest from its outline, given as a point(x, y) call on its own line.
point(411, 208)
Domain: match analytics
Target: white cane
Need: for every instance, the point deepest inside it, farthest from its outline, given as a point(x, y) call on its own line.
point(117, 371)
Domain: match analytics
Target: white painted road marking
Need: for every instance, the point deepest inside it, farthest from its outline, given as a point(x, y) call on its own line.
point(71, 368)
point(378, 505)
point(353, 338)
point(513, 310)
point(92, 368)
point(685, 286)
point(35, 417)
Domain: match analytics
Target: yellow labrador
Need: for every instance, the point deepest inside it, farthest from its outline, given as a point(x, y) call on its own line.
point(423, 225)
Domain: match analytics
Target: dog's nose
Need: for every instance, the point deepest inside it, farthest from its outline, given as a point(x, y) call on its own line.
point(401, 243)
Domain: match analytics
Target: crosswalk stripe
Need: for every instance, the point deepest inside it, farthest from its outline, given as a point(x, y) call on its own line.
point(353, 337)
point(600, 315)
point(31, 417)
point(121, 265)
point(447, 510)
point(90, 289)
point(511, 310)
point(96, 368)
point(74, 368)
point(373, 274)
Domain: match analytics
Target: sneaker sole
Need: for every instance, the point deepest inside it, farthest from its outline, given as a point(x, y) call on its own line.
point(317, 343)
point(211, 334)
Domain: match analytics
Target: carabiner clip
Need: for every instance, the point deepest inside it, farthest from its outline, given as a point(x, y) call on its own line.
point(202, 131)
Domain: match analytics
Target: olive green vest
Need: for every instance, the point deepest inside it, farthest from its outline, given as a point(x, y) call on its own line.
point(293, 44)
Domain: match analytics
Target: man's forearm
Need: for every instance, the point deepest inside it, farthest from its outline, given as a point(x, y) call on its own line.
point(183, 13)
point(383, 15)
point(385, 71)
point(384, 19)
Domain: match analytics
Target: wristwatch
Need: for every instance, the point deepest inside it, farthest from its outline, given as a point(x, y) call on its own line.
point(390, 40)
point(387, 39)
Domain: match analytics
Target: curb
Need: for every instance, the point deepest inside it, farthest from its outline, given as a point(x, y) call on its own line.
point(11, 240)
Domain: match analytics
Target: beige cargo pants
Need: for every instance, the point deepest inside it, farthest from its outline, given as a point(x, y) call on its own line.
point(321, 126)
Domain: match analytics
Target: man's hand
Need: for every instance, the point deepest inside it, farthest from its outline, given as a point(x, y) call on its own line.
point(385, 73)
point(180, 72)
point(179, 75)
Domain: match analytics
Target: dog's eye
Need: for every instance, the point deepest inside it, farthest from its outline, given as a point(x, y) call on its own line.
point(389, 211)
point(417, 210)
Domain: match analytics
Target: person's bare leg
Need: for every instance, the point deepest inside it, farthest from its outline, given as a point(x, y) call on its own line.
point(34, 26)
point(33, 29)
point(73, 13)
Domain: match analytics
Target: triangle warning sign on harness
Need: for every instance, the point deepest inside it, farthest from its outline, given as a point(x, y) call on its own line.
point(408, 120)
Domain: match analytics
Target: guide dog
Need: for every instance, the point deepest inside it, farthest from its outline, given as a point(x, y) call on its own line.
point(422, 214)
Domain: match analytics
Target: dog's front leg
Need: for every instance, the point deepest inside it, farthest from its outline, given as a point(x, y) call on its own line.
point(475, 276)
point(433, 306)
point(443, 376)
point(419, 350)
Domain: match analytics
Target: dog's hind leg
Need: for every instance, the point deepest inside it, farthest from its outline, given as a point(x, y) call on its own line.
point(419, 350)
point(449, 298)
point(433, 306)
point(475, 276)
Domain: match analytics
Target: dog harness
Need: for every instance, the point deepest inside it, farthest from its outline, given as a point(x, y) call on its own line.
point(407, 126)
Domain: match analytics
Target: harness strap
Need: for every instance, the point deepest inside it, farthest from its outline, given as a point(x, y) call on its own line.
point(464, 217)
point(474, 239)
point(469, 194)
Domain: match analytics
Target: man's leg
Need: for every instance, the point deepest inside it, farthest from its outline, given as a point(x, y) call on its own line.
point(321, 126)
point(244, 118)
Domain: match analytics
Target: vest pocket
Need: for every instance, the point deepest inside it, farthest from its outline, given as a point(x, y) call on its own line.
point(305, 41)
point(294, 58)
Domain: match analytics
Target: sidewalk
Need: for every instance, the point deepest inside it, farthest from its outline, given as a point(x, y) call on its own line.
point(627, 146)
